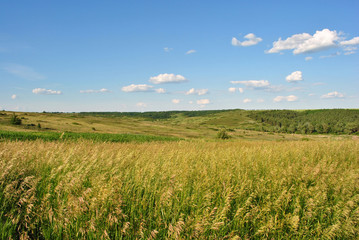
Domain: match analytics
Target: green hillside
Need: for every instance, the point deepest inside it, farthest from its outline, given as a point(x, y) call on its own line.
point(239, 124)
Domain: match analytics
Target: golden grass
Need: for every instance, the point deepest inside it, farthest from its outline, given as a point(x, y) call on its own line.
point(180, 190)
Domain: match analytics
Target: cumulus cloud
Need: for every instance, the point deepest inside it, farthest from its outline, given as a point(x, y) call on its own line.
point(191, 51)
point(306, 43)
point(160, 90)
point(334, 94)
point(295, 77)
point(203, 101)
point(247, 100)
point(198, 92)
point(167, 78)
point(264, 85)
point(137, 88)
point(232, 89)
point(252, 40)
point(23, 72)
point(321, 40)
point(13, 96)
point(353, 41)
point(290, 43)
point(167, 49)
point(45, 91)
point(102, 90)
point(253, 83)
point(308, 58)
point(260, 100)
point(290, 98)
point(176, 101)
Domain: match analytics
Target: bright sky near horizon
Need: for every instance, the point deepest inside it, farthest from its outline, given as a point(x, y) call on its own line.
point(72, 56)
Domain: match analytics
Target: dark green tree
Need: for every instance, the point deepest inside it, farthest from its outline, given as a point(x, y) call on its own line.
point(15, 120)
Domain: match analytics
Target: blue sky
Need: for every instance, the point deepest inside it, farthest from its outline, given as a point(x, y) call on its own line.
point(178, 55)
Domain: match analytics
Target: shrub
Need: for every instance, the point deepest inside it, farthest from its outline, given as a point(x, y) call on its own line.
point(222, 134)
point(15, 120)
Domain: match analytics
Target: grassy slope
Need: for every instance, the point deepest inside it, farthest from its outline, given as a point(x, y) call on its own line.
point(179, 125)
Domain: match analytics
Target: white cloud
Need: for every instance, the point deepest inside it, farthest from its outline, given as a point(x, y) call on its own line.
point(308, 58)
point(349, 53)
point(167, 78)
point(334, 94)
point(321, 40)
point(198, 92)
point(203, 101)
point(253, 83)
point(190, 102)
point(13, 96)
point(176, 101)
point(349, 50)
point(353, 41)
point(232, 89)
point(137, 88)
point(290, 43)
point(45, 91)
point(306, 43)
point(160, 90)
point(247, 100)
point(141, 104)
point(290, 98)
point(191, 51)
point(23, 72)
point(102, 90)
point(252, 40)
point(167, 49)
point(331, 55)
point(260, 100)
point(295, 77)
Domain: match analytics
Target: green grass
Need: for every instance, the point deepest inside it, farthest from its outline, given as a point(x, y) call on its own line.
point(98, 137)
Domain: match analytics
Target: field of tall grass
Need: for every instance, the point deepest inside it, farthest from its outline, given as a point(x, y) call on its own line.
point(179, 190)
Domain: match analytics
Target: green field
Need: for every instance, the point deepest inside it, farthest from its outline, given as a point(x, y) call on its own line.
point(96, 137)
point(168, 176)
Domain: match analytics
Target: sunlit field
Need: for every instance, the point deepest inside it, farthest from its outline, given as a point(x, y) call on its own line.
point(192, 189)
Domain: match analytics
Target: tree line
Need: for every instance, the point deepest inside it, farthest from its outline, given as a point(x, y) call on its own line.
point(335, 121)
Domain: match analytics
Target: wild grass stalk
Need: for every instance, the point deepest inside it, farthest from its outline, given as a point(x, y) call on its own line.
point(179, 190)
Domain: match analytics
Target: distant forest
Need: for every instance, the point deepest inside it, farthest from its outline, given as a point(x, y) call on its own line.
point(336, 121)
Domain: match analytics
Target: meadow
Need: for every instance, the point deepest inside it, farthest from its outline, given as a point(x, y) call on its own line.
point(179, 190)
point(95, 137)
point(173, 184)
